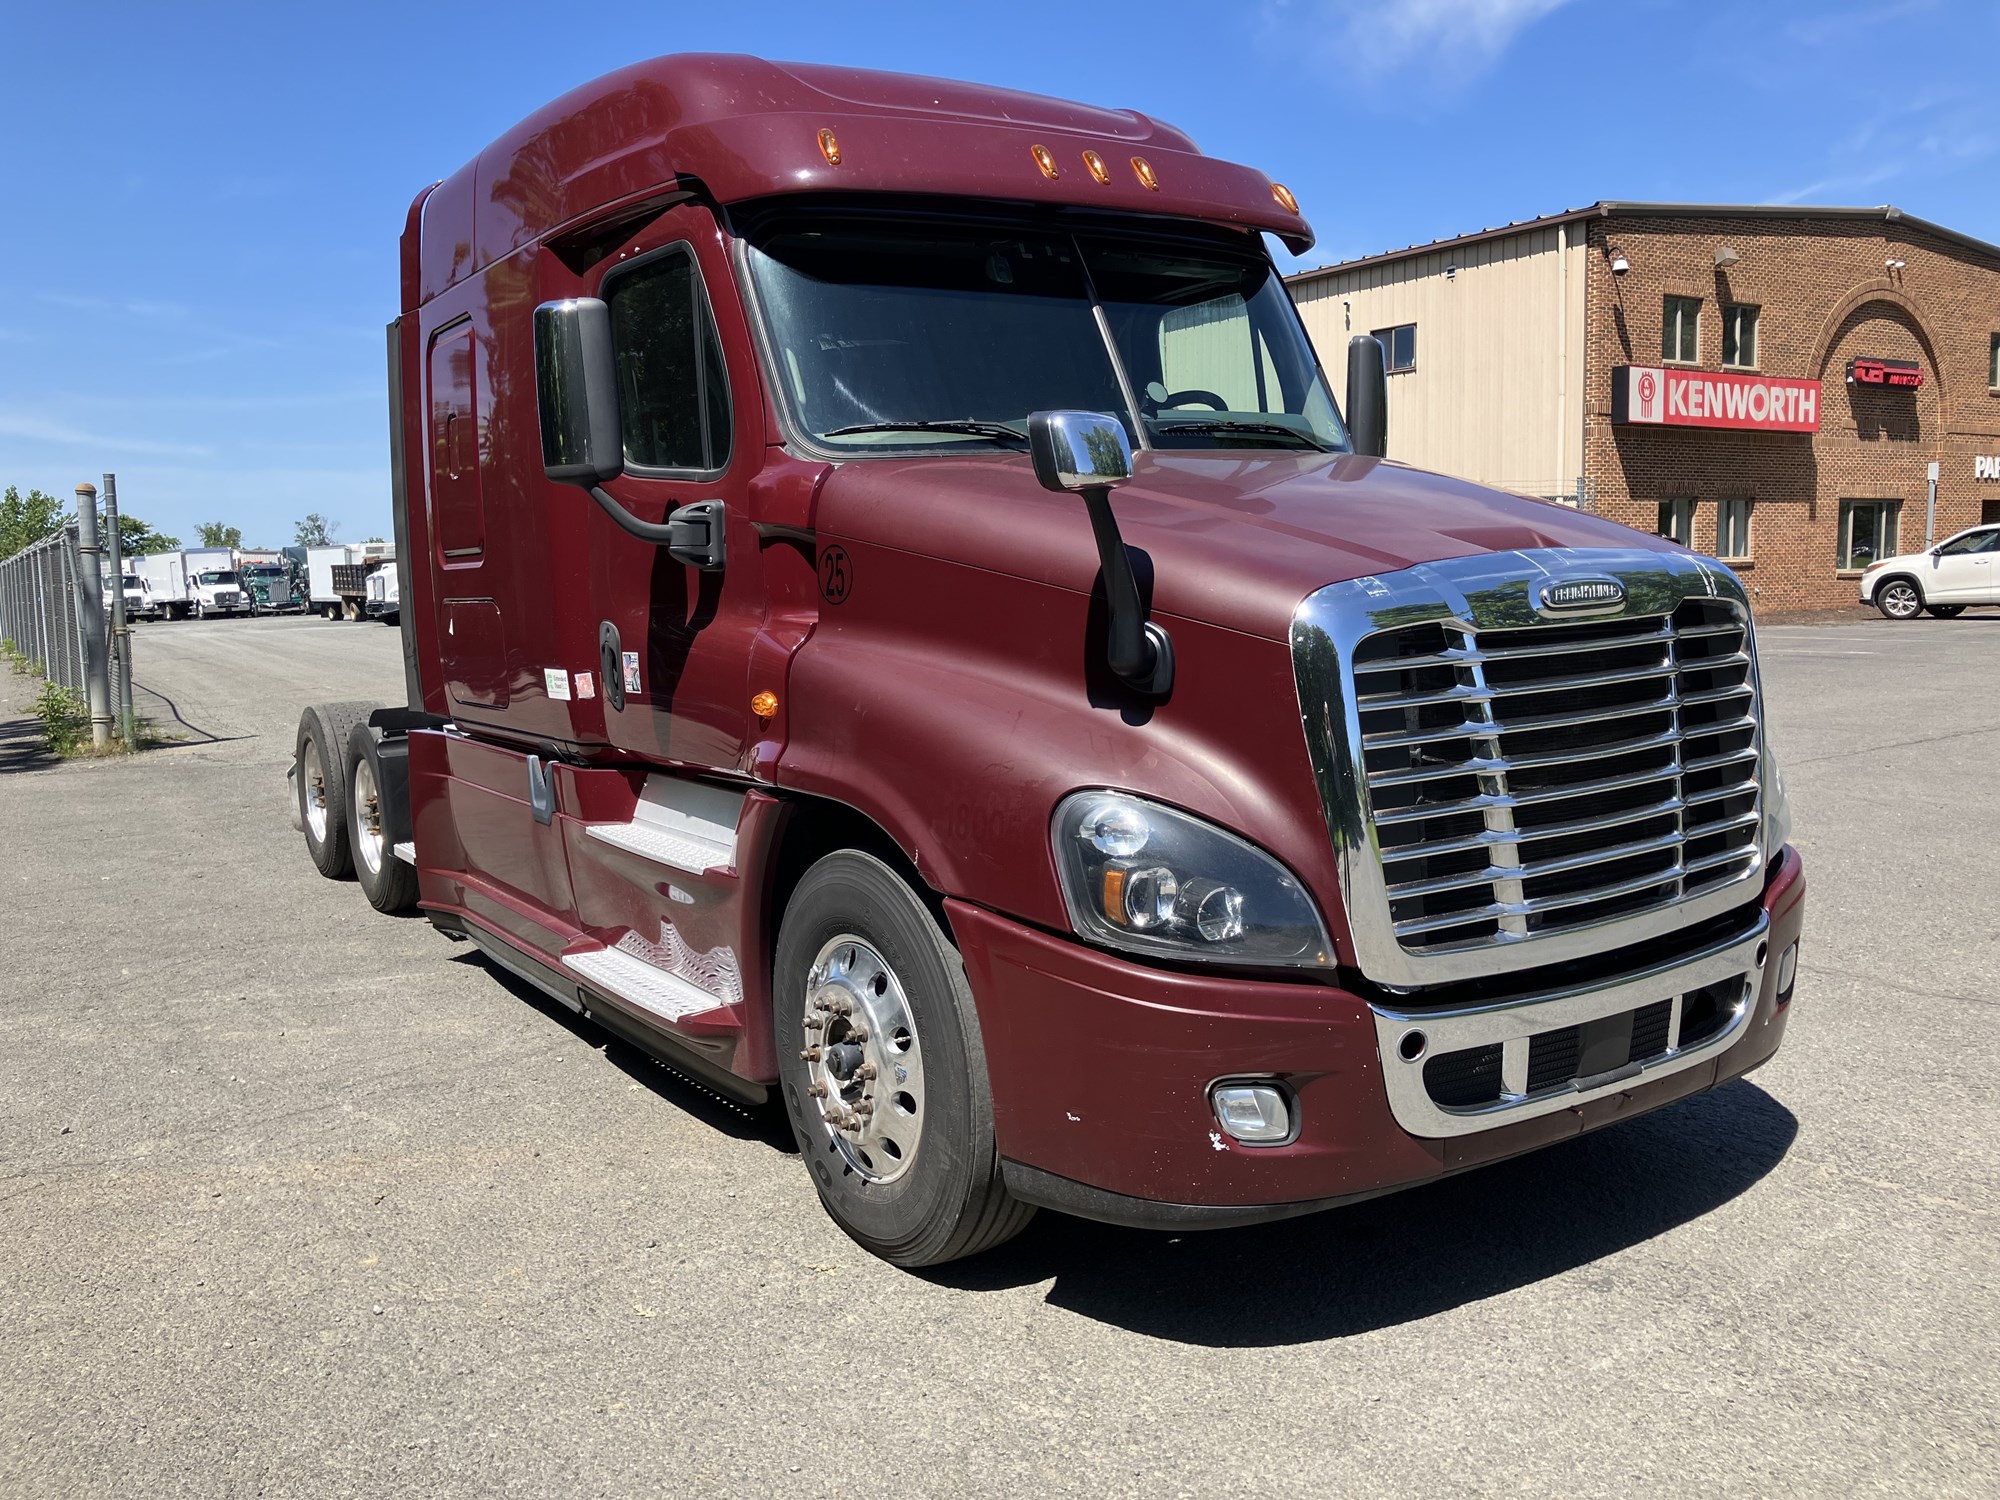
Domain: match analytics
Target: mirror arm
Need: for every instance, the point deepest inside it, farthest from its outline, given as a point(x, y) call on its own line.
point(693, 533)
point(1138, 651)
point(659, 534)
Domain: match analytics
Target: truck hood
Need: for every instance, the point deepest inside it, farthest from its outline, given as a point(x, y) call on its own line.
point(1231, 540)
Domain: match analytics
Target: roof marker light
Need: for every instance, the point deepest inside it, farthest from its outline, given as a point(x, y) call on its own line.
point(829, 147)
point(1143, 169)
point(1094, 164)
point(1045, 161)
point(1284, 196)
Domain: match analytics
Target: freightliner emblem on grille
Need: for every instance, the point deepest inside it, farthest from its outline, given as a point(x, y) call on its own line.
point(1582, 593)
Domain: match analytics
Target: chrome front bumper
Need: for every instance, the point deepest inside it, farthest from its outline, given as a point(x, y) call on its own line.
point(1430, 1034)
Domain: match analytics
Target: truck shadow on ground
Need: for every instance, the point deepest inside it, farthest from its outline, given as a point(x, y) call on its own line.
point(1410, 1255)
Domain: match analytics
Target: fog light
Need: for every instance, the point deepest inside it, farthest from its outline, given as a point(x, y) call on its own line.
point(1788, 973)
point(1254, 1113)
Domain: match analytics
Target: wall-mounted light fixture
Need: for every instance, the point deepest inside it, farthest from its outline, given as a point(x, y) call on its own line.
point(1619, 264)
point(1451, 270)
point(1725, 255)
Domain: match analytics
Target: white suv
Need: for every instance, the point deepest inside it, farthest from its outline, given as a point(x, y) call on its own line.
point(1960, 570)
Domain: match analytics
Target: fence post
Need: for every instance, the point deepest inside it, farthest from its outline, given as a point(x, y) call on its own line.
point(90, 601)
point(121, 628)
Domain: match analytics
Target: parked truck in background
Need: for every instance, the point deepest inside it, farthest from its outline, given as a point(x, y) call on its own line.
point(267, 581)
point(384, 595)
point(337, 577)
point(898, 623)
point(190, 583)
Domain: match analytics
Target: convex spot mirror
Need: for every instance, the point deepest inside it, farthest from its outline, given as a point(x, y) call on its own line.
point(576, 385)
point(1078, 450)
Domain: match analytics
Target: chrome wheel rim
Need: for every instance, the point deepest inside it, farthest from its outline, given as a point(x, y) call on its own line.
point(312, 782)
point(1901, 600)
point(367, 816)
point(864, 1062)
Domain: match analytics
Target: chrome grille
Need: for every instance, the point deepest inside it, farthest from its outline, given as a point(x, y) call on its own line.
point(1538, 778)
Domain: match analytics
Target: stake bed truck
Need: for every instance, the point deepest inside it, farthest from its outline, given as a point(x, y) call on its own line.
point(897, 622)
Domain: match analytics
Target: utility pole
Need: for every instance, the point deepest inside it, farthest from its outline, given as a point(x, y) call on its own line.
point(121, 632)
point(90, 600)
point(1930, 510)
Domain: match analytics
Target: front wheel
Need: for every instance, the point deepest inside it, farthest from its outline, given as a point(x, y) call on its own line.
point(1944, 611)
point(883, 1071)
point(1899, 600)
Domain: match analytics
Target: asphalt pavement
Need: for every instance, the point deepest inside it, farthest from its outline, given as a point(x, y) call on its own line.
point(300, 1200)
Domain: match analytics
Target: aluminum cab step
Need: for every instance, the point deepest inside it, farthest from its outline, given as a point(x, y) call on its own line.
point(638, 983)
point(684, 825)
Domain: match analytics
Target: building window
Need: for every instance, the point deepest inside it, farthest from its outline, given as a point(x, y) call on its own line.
point(1993, 363)
point(1677, 521)
point(1399, 347)
point(1732, 530)
point(1867, 532)
point(1739, 337)
point(1680, 330)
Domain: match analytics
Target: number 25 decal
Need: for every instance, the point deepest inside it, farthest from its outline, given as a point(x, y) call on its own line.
point(836, 574)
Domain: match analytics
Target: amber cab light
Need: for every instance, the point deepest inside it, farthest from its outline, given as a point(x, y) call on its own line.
point(1044, 160)
point(1143, 170)
point(1284, 196)
point(764, 705)
point(829, 147)
point(1094, 164)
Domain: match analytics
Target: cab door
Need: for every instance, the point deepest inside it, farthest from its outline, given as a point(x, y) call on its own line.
point(1963, 572)
point(675, 638)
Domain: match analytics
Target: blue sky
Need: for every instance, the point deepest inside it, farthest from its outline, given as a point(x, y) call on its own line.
point(199, 203)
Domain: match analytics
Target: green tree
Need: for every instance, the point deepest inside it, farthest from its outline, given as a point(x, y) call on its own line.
point(26, 520)
point(215, 534)
point(137, 539)
point(314, 531)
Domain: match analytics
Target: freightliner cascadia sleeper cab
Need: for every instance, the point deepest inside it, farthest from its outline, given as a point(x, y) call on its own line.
point(894, 618)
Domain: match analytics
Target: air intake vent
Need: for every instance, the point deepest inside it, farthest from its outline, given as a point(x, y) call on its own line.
point(1531, 780)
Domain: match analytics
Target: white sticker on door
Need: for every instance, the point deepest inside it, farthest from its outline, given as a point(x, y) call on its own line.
point(631, 671)
point(556, 680)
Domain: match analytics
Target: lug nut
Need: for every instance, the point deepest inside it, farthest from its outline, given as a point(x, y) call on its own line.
point(815, 1023)
point(865, 1107)
point(865, 1072)
point(811, 1054)
point(816, 1090)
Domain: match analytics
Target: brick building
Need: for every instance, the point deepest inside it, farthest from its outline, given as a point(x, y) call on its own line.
point(1769, 385)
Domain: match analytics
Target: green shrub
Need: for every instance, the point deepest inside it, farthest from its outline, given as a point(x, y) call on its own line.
point(65, 718)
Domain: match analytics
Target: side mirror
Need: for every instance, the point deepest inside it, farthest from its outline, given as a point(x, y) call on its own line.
point(1367, 396)
point(576, 384)
point(1078, 450)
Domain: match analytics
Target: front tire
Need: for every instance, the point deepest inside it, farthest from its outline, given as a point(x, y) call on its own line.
point(1898, 599)
point(883, 1071)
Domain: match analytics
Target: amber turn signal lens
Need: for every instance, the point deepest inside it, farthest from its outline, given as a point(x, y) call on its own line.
point(1284, 196)
point(829, 148)
point(1043, 160)
point(1143, 169)
point(1094, 164)
point(1114, 894)
point(764, 705)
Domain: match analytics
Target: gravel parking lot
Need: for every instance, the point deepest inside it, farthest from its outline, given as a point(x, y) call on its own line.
point(300, 1200)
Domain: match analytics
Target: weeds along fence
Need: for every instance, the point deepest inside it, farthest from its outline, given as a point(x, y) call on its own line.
point(41, 607)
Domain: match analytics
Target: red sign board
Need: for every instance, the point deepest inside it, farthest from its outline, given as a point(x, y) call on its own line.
point(1649, 396)
point(1906, 373)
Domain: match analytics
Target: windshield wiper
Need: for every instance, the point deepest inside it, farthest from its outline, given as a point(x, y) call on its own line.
point(1262, 429)
point(967, 427)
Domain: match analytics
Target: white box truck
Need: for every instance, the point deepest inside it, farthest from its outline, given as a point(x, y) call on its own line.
point(336, 577)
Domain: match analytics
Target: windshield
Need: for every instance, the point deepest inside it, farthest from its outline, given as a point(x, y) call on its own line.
point(264, 570)
point(941, 335)
point(229, 577)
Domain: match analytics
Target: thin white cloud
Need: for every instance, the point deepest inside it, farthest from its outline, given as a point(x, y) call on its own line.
point(1459, 38)
point(31, 428)
point(1908, 142)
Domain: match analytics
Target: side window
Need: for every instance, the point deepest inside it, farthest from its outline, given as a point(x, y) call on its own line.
point(1213, 347)
point(1680, 330)
point(1971, 544)
point(1399, 347)
point(673, 396)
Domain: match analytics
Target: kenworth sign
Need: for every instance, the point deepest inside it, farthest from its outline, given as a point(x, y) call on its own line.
point(1647, 395)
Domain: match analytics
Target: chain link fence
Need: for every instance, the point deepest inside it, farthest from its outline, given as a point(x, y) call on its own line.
point(41, 607)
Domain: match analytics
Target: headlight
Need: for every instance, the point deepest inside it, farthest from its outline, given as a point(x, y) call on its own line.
point(1777, 810)
point(1147, 879)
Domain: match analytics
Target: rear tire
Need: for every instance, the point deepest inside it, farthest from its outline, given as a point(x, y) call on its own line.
point(388, 883)
point(1898, 599)
point(322, 782)
point(1944, 611)
point(921, 1184)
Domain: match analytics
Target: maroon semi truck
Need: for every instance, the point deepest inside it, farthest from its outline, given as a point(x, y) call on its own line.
point(894, 618)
